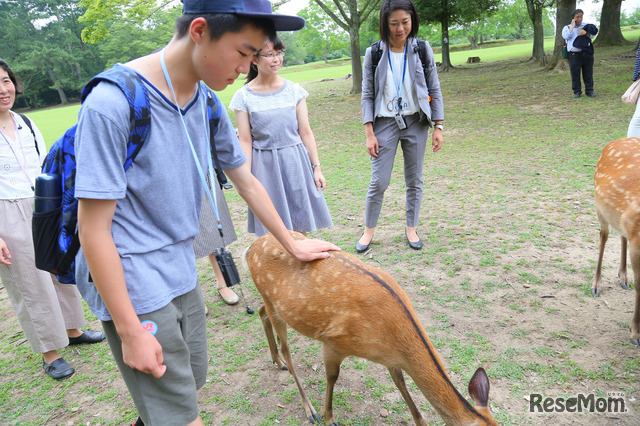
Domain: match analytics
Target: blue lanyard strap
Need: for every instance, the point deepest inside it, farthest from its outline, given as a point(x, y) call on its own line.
point(212, 199)
point(404, 69)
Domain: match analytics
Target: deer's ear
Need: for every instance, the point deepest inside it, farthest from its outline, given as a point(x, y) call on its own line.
point(479, 388)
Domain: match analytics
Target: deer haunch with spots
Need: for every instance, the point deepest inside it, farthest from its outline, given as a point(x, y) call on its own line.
point(617, 182)
point(356, 310)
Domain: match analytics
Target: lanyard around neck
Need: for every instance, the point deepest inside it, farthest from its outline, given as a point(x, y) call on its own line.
point(401, 83)
point(24, 156)
point(212, 199)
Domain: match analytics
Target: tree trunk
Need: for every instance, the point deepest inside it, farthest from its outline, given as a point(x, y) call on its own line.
point(356, 62)
point(446, 60)
point(56, 84)
point(535, 13)
point(473, 41)
point(610, 33)
point(563, 18)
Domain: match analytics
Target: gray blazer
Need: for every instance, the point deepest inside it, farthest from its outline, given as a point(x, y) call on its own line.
point(373, 86)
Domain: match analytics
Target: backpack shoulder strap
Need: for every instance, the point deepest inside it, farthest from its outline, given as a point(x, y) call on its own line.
point(214, 111)
point(139, 108)
point(422, 53)
point(30, 126)
point(376, 54)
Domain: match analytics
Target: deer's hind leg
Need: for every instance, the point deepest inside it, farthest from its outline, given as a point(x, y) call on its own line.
point(622, 272)
point(398, 379)
point(635, 264)
point(332, 362)
point(268, 331)
point(604, 236)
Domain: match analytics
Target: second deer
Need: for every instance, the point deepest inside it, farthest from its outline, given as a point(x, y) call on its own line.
point(617, 182)
point(356, 310)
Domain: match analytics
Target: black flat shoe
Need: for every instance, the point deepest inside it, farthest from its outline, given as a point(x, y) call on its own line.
point(417, 245)
point(361, 248)
point(87, 337)
point(58, 369)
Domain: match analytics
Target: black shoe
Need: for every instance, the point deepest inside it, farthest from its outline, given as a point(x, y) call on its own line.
point(361, 248)
point(577, 95)
point(417, 245)
point(87, 336)
point(58, 369)
point(591, 95)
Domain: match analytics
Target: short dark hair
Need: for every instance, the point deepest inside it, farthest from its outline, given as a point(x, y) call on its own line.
point(16, 83)
point(278, 44)
point(575, 12)
point(388, 7)
point(221, 23)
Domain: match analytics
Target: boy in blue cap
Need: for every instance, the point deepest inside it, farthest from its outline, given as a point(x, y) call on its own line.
point(137, 226)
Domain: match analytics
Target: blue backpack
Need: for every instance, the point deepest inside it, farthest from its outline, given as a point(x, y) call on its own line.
point(55, 235)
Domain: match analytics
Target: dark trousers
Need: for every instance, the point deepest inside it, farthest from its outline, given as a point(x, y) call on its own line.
point(578, 62)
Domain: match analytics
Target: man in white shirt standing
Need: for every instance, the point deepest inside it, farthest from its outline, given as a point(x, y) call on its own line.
point(579, 60)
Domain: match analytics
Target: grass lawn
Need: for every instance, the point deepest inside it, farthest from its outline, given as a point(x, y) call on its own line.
point(503, 281)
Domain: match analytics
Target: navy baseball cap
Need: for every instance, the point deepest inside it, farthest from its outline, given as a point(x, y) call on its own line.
point(249, 8)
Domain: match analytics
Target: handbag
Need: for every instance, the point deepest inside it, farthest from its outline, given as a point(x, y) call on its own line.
point(565, 54)
point(631, 95)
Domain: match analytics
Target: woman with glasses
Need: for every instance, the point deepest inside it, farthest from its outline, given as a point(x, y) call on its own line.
point(401, 99)
point(274, 131)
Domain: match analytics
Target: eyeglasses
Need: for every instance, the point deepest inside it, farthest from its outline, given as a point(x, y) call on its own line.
point(279, 53)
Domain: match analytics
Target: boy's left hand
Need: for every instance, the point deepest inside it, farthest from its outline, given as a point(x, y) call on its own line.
point(310, 249)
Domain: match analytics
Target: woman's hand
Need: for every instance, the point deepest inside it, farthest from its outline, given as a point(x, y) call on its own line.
point(438, 140)
point(318, 177)
point(5, 255)
point(372, 146)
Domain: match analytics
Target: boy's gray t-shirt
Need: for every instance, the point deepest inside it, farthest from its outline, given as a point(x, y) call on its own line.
point(158, 197)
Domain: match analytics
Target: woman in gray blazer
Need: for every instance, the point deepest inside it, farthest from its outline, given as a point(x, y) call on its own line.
point(400, 101)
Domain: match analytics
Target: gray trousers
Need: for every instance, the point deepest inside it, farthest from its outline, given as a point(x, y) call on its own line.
point(413, 141)
point(181, 329)
point(45, 308)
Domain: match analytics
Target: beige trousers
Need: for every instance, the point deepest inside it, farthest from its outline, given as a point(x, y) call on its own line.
point(44, 307)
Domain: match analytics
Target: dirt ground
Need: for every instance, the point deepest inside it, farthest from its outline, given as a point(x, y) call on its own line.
point(247, 390)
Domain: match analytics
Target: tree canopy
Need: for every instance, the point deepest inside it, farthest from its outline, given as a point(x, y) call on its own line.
point(446, 13)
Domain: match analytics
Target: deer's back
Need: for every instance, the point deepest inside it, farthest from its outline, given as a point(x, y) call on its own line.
point(617, 184)
point(339, 300)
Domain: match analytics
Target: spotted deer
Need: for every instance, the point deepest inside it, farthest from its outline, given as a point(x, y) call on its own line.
point(617, 183)
point(355, 309)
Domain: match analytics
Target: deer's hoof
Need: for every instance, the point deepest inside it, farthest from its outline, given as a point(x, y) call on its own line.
point(595, 293)
point(284, 367)
point(625, 286)
point(636, 342)
point(314, 418)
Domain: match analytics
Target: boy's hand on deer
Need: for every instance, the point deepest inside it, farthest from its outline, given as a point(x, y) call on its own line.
point(308, 250)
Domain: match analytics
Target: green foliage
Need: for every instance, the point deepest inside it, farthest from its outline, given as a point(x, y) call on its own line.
point(322, 35)
point(41, 41)
point(632, 19)
point(129, 41)
point(100, 14)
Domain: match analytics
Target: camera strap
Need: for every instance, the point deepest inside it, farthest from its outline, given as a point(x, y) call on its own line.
point(212, 198)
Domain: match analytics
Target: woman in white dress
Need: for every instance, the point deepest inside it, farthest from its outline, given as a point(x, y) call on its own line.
point(274, 131)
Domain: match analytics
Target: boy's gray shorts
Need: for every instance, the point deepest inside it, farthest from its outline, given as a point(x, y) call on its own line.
point(181, 331)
